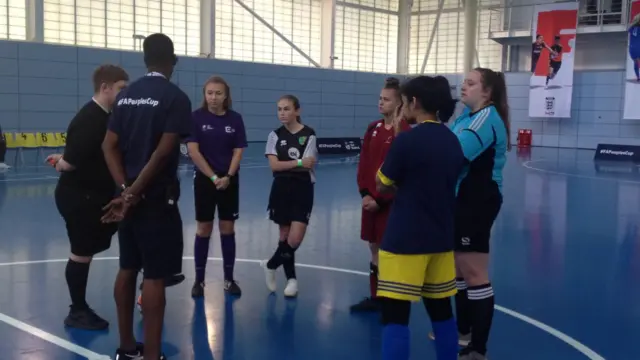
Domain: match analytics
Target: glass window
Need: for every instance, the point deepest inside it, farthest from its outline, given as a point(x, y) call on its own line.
point(365, 40)
point(241, 36)
point(13, 20)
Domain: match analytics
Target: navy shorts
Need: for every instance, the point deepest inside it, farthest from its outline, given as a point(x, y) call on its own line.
point(151, 238)
point(634, 53)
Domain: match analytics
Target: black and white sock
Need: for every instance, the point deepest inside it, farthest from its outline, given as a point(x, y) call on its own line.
point(481, 303)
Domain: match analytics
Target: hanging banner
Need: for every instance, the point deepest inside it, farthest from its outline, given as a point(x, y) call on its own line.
point(552, 58)
point(632, 77)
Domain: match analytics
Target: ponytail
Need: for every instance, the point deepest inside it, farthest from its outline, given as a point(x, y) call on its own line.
point(495, 81)
point(499, 98)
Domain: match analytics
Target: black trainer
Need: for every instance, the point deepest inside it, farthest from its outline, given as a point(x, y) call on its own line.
point(137, 354)
point(197, 290)
point(232, 288)
point(86, 319)
point(368, 304)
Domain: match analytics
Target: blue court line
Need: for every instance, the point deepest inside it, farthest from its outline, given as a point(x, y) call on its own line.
point(583, 349)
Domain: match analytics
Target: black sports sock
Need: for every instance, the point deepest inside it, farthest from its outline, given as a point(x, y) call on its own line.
point(481, 302)
point(463, 313)
point(77, 274)
point(276, 259)
point(289, 261)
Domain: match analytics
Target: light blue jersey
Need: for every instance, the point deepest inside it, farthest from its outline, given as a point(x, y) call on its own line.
point(483, 137)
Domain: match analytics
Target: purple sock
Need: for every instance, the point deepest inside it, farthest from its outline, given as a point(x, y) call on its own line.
point(200, 254)
point(228, 244)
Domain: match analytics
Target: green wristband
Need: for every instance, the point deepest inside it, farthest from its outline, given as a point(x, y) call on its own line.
point(213, 178)
point(299, 163)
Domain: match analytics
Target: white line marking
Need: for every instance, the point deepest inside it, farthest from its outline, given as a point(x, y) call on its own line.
point(527, 164)
point(583, 349)
point(60, 342)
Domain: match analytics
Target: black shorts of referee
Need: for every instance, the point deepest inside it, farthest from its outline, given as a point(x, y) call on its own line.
point(208, 198)
point(291, 199)
point(81, 211)
point(150, 236)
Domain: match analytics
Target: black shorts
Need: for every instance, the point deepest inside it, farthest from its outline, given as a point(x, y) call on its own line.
point(81, 211)
point(473, 223)
point(291, 199)
point(151, 238)
point(207, 198)
point(555, 65)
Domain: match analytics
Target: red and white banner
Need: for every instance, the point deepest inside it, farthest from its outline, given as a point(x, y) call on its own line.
point(552, 59)
point(632, 76)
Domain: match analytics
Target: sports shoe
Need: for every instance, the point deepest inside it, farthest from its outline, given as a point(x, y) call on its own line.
point(463, 340)
point(270, 277)
point(469, 354)
point(197, 290)
point(137, 354)
point(232, 288)
point(291, 290)
point(85, 318)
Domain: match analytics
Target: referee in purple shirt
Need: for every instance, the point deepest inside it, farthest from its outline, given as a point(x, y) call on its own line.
point(217, 141)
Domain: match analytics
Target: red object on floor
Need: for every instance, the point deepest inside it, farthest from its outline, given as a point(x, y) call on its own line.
point(524, 137)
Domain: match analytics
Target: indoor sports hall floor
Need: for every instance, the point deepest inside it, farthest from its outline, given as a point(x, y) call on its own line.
point(566, 271)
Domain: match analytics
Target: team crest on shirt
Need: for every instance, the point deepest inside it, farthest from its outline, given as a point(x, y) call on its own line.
point(293, 153)
point(302, 139)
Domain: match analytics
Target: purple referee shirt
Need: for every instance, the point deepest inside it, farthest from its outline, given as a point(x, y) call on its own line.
point(217, 137)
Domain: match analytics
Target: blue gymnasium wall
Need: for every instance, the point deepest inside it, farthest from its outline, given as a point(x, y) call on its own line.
point(42, 86)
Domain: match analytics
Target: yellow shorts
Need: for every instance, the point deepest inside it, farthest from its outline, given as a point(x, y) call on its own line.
point(411, 277)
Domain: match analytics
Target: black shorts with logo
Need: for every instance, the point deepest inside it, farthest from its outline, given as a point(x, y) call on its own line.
point(150, 236)
point(291, 199)
point(82, 211)
point(208, 198)
point(473, 223)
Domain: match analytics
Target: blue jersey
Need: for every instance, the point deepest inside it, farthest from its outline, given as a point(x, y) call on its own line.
point(146, 109)
point(483, 137)
point(634, 37)
point(424, 164)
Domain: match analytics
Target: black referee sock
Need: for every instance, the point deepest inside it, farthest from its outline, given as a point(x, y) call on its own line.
point(77, 275)
point(289, 261)
point(481, 302)
point(276, 259)
point(462, 308)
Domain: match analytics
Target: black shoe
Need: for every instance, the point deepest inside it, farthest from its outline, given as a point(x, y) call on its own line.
point(232, 288)
point(368, 304)
point(86, 319)
point(197, 290)
point(137, 354)
point(172, 280)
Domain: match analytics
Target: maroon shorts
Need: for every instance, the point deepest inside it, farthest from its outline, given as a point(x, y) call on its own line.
point(373, 225)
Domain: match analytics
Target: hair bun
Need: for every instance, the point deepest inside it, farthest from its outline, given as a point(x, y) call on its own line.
point(391, 81)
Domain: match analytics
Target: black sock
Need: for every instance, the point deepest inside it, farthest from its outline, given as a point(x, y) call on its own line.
point(77, 275)
point(481, 302)
point(289, 261)
point(463, 319)
point(276, 259)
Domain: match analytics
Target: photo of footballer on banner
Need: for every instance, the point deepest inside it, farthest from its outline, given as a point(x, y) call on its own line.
point(552, 58)
point(632, 77)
